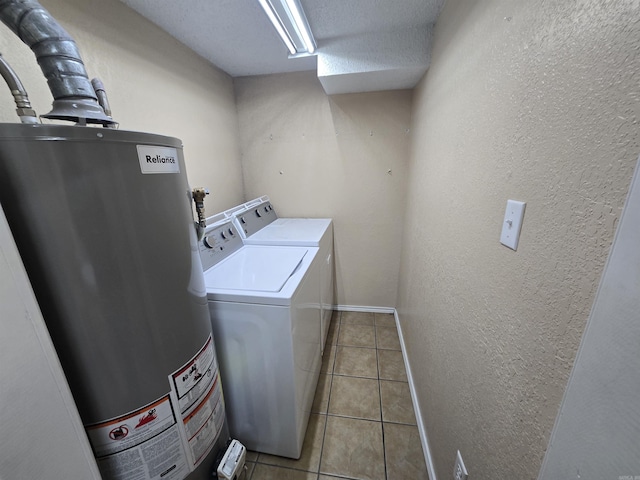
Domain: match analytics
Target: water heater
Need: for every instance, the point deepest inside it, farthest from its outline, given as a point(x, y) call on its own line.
point(103, 221)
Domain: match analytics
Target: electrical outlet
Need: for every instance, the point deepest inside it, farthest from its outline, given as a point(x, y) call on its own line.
point(459, 470)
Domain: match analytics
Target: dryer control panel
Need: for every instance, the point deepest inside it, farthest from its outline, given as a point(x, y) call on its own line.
point(220, 240)
point(254, 217)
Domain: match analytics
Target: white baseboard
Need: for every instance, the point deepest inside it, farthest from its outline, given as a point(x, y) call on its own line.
point(416, 407)
point(360, 308)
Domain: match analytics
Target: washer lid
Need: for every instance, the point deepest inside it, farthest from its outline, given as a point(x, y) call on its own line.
point(291, 231)
point(255, 269)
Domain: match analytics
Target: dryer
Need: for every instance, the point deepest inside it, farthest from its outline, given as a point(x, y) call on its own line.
point(259, 224)
point(263, 302)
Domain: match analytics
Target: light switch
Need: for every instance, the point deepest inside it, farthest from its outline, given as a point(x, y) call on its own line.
point(512, 223)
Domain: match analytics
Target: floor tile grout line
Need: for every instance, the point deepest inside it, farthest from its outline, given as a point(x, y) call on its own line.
point(326, 420)
point(337, 475)
point(285, 467)
point(357, 418)
point(356, 376)
point(393, 422)
point(377, 378)
point(361, 376)
point(384, 450)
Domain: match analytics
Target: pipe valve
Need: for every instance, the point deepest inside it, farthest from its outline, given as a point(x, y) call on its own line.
point(198, 195)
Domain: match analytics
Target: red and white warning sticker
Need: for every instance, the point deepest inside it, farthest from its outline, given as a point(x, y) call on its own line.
point(203, 423)
point(196, 390)
point(195, 378)
point(168, 438)
point(141, 445)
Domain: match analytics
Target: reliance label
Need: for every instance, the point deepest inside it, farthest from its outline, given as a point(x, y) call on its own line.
point(154, 159)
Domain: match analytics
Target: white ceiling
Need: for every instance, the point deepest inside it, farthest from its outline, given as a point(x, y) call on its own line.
point(363, 45)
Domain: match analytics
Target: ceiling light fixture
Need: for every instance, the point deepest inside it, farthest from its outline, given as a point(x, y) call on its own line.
point(291, 23)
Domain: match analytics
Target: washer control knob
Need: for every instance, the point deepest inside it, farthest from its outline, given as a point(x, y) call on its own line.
point(266, 209)
point(224, 237)
point(243, 220)
point(209, 242)
point(231, 232)
point(258, 212)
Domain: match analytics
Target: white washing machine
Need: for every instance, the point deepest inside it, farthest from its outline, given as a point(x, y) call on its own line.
point(264, 310)
point(259, 224)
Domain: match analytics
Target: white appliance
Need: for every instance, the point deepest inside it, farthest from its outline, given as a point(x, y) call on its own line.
point(264, 310)
point(259, 224)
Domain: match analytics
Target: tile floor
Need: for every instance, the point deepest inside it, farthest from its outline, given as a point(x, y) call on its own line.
point(362, 424)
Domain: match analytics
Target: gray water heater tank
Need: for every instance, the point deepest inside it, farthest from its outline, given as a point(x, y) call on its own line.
point(104, 224)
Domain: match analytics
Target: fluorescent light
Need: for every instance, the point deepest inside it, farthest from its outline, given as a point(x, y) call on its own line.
point(277, 23)
point(300, 21)
point(290, 22)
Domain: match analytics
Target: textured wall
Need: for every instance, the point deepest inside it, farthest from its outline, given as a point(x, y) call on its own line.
point(535, 101)
point(323, 156)
point(154, 83)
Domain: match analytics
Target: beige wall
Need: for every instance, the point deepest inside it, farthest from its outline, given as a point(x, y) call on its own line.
point(535, 101)
point(323, 156)
point(155, 84)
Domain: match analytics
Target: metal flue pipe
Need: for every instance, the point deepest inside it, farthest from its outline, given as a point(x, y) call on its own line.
point(59, 59)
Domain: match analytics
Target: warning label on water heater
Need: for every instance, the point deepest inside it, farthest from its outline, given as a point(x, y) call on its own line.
point(141, 445)
point(168, 438)
point(154, 159)
point(195, 389)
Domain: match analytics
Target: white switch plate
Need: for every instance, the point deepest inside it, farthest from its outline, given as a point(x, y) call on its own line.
point(512, 223)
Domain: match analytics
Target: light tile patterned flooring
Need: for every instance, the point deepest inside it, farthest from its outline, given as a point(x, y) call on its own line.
point(362, 424)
